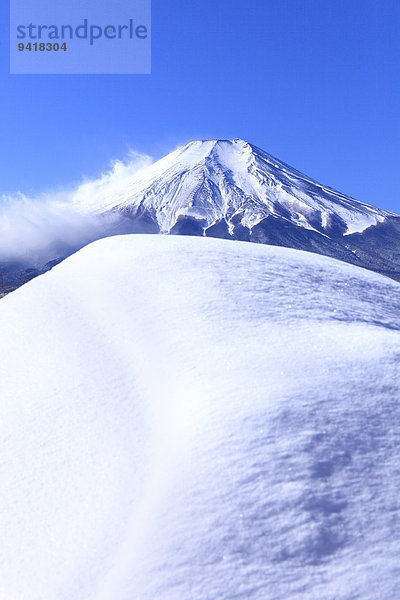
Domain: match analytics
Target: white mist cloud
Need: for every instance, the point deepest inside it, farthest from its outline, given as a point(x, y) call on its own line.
point(38, 229)
point(94, 193)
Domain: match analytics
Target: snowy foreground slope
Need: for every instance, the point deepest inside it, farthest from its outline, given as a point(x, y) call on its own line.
point(189, 418)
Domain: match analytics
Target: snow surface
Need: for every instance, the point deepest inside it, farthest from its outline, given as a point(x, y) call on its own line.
point(190, 418)
point(212, 180)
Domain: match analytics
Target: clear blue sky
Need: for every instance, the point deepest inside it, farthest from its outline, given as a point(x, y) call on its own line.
point(314, 82)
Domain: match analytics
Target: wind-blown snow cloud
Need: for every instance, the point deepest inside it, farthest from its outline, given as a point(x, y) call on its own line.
point(92, 191)
point(37, 229)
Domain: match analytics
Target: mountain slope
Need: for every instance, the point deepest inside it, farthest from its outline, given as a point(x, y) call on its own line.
point(231, 190)
point(191, 418)
point(234, 190)
point(233, 180)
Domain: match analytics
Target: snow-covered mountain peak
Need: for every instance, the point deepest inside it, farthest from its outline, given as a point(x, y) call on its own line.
point(235, 182)
point(228, 189)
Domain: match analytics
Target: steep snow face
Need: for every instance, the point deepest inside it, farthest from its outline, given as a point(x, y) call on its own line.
point(196, 418)
point(234, 181)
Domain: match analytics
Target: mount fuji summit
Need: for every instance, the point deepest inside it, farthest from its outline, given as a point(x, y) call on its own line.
point(227, 189)
point(231, 189)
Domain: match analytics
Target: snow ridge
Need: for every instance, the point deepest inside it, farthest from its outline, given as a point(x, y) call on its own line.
point(191, 418)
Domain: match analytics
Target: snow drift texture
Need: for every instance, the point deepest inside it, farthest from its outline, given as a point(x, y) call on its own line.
point(189, 418)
